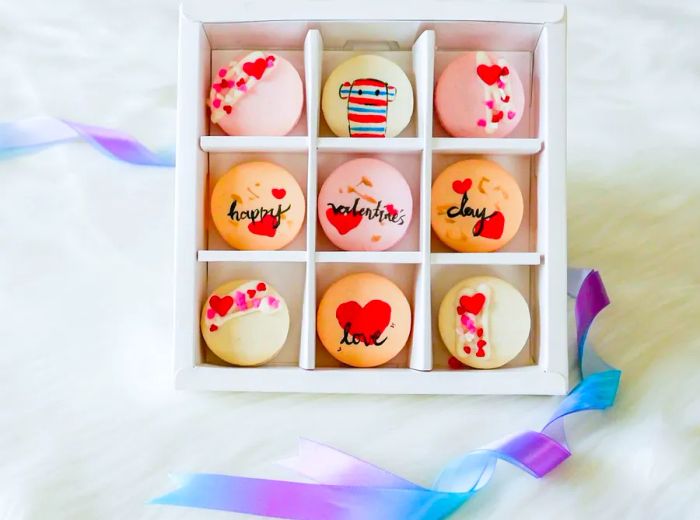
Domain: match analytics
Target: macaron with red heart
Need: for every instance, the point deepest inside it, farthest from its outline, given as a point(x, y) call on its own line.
point(479, 94)
point(476, 206)
point(484, 322)
point(365, 205)
point(258, 205)
point(363, 320)
point(259, 93)
point(245, 322)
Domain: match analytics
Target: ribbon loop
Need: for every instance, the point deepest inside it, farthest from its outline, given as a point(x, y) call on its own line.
point(348, 488)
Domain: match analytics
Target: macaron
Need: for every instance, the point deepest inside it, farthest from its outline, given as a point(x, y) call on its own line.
point(484, 322)
point(245, 322)
point(363, 320)
point(258, 94)
point(479, 94)
point(365, 205)
point(367, 96)
point(476, 206)
point(258, 205)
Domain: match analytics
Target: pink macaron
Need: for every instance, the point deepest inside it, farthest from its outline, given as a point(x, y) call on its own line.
point(479, 95)
point(258, 94)
point(365, 205)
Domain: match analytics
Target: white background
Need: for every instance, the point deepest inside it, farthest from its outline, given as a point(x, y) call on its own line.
point(89, 423)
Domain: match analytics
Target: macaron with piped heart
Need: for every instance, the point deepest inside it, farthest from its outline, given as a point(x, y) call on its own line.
point(479, 94)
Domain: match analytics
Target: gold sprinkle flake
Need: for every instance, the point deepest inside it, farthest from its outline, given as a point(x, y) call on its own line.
point(481, 183)
point(442, 208)
point(376, 238)
point(367, 182)
point(257, 184)
point(237, 198)
point(290, 223)
point(284, 216)
point(450, 221)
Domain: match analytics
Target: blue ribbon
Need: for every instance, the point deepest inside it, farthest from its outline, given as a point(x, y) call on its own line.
point(32, 135)
point(348, 488)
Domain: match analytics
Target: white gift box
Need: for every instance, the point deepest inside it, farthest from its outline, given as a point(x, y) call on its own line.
point(421, 37)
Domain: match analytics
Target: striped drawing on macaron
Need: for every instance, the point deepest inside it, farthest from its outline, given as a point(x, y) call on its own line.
point(368, 106)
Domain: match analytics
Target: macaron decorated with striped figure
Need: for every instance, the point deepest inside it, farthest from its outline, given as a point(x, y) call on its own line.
point(367, 96)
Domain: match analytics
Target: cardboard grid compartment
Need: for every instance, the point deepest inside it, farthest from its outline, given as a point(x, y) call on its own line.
point(315, 37)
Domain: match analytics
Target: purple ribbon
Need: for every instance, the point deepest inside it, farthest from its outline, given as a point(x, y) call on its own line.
point(31, 135)
point(347, 488)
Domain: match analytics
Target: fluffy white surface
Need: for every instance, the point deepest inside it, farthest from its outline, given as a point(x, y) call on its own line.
point(89, 423)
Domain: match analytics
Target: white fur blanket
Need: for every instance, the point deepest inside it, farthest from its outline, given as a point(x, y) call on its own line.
point(89, 423)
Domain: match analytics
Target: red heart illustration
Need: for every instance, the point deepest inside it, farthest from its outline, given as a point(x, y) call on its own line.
point(455, 364)
point(472, 304)
point(267, 226)
point(462, 186)
point(364, 323)
point(343, 222)
point(489, 74)
point(221, 305)
point(251, 292)
point(279, 193)
point(255, 68)
point(492, 227)
point(497, 116)
point(261, 286)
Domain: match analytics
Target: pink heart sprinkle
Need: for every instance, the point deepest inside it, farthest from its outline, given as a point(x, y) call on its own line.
point(273, 302)
point(217, 87)
point(243, 87)
point(239, 299)
point(501, 84)
point(511, 114)
point(211, 313)
point(481, 122)
point(468, 323)
point(270, 61)
point(216, 103)
point(256, 303)
point(222, 73)
point(489, 103)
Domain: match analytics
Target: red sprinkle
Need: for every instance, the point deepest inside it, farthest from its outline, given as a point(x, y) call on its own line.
point(213, 328)
point(467, 349)
point(455, 364)
point(227, 109)
point(479, 332)
point(261, 286)
point(481, 343)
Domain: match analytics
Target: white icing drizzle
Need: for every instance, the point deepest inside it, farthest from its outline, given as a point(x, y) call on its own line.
point(269, 303)
point(469, 338)
point(495, 94)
